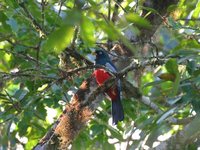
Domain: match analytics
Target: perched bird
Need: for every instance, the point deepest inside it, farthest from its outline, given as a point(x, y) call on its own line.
point(101, 75)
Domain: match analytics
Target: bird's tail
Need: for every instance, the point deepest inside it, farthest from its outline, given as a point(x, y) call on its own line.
point(117, 111)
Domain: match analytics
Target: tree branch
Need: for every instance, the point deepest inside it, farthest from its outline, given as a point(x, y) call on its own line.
point(35, 24)
point(74, 117)
point(83, 104)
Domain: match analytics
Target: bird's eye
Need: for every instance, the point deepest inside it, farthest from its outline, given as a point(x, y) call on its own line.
point(100, 53)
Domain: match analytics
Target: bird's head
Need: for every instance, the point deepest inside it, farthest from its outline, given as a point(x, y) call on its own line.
point(102, 57)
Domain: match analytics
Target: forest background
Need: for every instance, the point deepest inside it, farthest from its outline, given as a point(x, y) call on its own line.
point(45, 55)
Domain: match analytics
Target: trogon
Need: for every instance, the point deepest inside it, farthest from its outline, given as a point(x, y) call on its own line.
point(114, 93)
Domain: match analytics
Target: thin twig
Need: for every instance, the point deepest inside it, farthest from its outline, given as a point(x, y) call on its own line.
point(18, 74)
point(17, 43)
point(27, 57)
point(73, 45)
point(109, 10)
point(15, 105)
point(136, 5)
point(187, 19)
point(42, 12)
point(35, 24)
point(119, 4)
point(69, 73)
point(58, 15)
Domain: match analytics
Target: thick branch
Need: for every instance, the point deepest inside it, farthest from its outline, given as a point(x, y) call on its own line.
point(73, 119)
point(81, 108)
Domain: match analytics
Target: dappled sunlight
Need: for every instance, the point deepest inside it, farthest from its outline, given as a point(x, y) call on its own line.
point(51, 114)
point(53, 91)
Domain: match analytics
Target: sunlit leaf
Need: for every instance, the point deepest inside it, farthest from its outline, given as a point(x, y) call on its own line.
point(167, 77)
point(145, 80)
point(166, 115)
point(171, 8)
point(137, 20)
point(109, 29)
point(29, 69)
point(196, 11)
point(172, 66)
point(150, 9)
point(87, 31)
point(73, 17)
point(34, 8)
point(154, 83)
point(59, 39)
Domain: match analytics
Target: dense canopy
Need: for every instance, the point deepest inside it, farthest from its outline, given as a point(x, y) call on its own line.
point(45, 56)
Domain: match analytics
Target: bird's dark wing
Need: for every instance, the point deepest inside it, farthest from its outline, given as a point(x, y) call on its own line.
point(112, 68)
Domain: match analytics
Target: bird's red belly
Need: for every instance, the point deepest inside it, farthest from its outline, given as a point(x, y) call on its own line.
point(101, 76)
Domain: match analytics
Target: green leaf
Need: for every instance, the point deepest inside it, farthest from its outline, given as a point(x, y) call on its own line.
point(196, 103)
point(59, 39)
point(55, 88)
point(34, 8)
point(167, 76)
point(23, 126)
point(155, 132)
point(96, 130)
point(166, 115)
point(154, 83)
point(191, 67)
point(41, 112)
point(172, 66)
point(109, 29)
point(174, 24)
point(176, 84)
point(193, 128)
point(187, 52)
point(12, 3)
point(116, 134)
point(196, 11)
point(137, 20)
point(196, 73)
point(3, 25)
point(150, 9)
point(87, 31)
point(174, 100)
point(13, 24)
point(148, 77)
point(20, 94)
point(171, 8)
point(73, 17)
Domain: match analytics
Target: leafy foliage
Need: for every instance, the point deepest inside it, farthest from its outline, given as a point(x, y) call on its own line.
point(34, 90)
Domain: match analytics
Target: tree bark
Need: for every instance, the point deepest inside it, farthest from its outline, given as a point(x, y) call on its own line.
point(73, 119)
